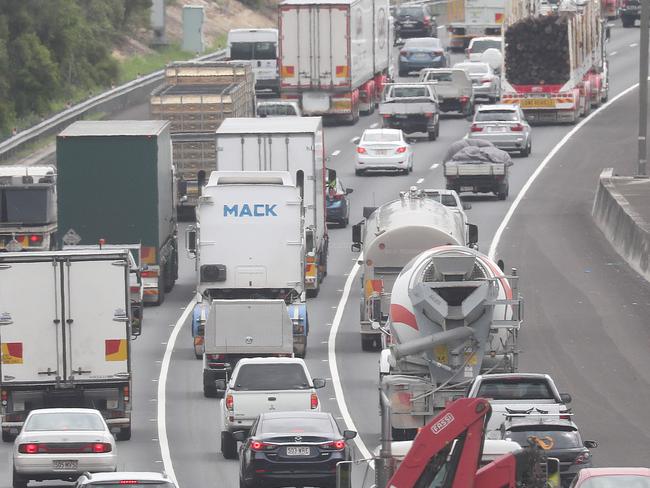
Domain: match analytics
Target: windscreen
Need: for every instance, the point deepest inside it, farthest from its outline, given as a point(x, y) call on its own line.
point(64, 421)
point(521, 389)
point(409, 92)
point(24, 205)
point(253, 50)
point(297, 425)
point(284, 376)
point(439, 76)
point(496, 116)
point(557, 439)
point(617, 481)
point(481, 46)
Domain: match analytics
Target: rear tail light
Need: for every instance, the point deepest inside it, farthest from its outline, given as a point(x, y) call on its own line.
point(427, 20)
point(128, 482)
point(361, 150)
point(125, 393)
point(28, 448)
point(334, 446)
point(4, 397)
point(464, 99)
point(230, 402)
point(517, 128)
point(400, 150)
point(475, 128)
point(149, 274)
point(386, 116)
point(100, 447)
point(428, 115)
point(582, 458)
point(314, 401)
point(36, 448)
point(403, 52)
point(214, 357)
point(134, 289)
point(35, 239)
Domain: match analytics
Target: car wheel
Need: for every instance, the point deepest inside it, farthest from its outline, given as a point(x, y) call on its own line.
point(402, 73)
point(18, 481)
point(124, 434)
point(367, 343)
point(359, 172)
point(228, 445)
point(345, 222)
point(502, 192)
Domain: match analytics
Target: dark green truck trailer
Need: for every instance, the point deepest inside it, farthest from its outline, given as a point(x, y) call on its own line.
point(115, 182)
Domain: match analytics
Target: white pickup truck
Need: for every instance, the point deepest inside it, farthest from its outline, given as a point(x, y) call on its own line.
point(259, 385)
point(411, 107)
point(453, 87)
point(518, 393)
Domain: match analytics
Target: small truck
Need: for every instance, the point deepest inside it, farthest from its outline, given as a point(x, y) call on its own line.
point(412, 107)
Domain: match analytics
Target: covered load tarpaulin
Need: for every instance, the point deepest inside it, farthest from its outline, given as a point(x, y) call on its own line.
point(476, 151)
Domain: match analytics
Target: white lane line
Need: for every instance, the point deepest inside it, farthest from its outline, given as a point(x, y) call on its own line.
point(634, 44)
point(549, 156)
point(419, 181)
point(434, 165)
point(162, 393)
point(352, 140)
point(441, 26)
point(613, 53)
point(336, 153)
point(334, 368)
point(374, 125)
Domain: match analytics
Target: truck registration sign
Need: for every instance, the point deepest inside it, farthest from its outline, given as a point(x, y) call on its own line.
point(298, 451)
point(537, 103)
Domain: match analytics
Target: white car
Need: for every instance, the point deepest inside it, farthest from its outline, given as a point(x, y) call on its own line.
point(486, 83)
point(61, 444)
point(266, 384)
point(383, 149)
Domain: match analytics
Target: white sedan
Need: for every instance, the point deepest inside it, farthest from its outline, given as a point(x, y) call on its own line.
point(61, 444)
point(383, 149)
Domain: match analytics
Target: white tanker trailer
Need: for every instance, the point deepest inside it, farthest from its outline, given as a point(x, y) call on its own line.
point(391, 236)
point(453, 315)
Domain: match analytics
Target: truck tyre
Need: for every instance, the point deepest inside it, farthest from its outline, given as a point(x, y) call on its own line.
point(627, 21)
point(313, 292)
point(502, 192)
point(124, 434)
point(169, 273)
point(370, 343)
point(7, 437)
point(228, 445)
point(526, 151)
point(161, 286)
point(18, 481)
point(209, 391)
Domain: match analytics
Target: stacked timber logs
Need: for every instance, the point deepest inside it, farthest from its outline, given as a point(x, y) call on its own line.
point(537, 50)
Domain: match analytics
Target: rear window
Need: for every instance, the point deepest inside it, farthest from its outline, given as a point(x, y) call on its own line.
point(434, 76)
point(411, 12)
point(409, 92)
point(496, 116)
point(296, 425)
point(515, 390)
point(481, 46)
point(473, 68)
point(558, 439)
point(257, 377)
point(382, 137)
point(42, 422)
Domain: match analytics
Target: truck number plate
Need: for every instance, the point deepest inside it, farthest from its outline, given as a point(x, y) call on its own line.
point(64, 464)
point(298, 451)
point(466, 188)
point(401, 116)
point(537, 103)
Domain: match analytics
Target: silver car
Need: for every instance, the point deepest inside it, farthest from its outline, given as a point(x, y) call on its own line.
point(487, 84)
point(134, 479)
point(504, 126)
point(61, 444)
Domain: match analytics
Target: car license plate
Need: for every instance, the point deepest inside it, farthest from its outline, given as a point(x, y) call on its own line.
point(537, 103)
point(466, 188)
point(298, 451)
point(408, 23)
point(64, 464)
point(381, 152)
point(496, 129)
point(401, 116)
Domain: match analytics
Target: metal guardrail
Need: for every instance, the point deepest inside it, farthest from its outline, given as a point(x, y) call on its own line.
point(110, 102)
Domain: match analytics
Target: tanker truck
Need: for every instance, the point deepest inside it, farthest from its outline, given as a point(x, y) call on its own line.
point(453, 315)
point(391, 235)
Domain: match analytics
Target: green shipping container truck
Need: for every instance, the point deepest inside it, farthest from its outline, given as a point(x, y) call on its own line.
point(116, 182)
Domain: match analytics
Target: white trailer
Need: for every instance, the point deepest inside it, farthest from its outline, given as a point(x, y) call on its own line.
point(393, 234)
point(260, 48)
point(67, 345)
point(28, 218)
point(473, 18)
point(334, 54)
point(293, 144)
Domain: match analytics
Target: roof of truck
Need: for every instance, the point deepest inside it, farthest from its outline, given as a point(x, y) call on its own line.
point(27, 170)
point(114, 128)
point(278, 125)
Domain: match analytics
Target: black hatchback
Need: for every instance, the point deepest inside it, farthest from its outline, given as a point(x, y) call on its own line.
point(414, 21)
point(292, 449)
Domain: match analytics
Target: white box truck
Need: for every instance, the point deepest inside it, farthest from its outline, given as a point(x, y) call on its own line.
point(334, 55)
point(73, 348)
point(260, 48)
point(293, 144)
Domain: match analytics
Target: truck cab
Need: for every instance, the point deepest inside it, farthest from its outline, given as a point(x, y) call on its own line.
point(260, 47)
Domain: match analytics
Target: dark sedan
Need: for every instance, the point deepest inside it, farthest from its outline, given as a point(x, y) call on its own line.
point(292, 449)
point(414, 21)
point(419, 53)
point(338, 203)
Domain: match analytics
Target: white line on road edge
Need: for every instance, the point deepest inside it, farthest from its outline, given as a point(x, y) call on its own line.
point(549, 156)
point(162, 392)
point(434, 165)
point(374, 125)
point(634, 44)
point(336, 153)
point(334, 368)
point(419, 181)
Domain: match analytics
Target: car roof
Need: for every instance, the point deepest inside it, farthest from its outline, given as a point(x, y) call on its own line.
point(270, 360)
point(296, 415)
point(513, 376)
point(485, 38)
point(497, 107)
point(127, 475)
point(382, 131)
point(593, 472)
point(65, 410)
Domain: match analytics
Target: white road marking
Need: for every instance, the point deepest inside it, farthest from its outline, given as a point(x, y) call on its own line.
point(419, 181)
point(549, 156)
point(352, 140)
point(374, 125)
point(162, 393)
point(613, 53)
point(634, 44)
point(441, 26)
point(336, 153)
point(434, 165)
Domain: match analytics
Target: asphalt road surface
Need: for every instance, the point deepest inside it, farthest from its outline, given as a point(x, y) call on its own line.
point(586, 312)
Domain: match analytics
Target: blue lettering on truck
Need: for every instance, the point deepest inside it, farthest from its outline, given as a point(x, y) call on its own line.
point(250, 210)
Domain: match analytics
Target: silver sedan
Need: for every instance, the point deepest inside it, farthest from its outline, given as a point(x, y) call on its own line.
point(504, 126)
point(486, 83)
point(61, 444)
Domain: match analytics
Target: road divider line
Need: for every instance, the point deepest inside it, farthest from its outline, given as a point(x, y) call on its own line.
point(634, 44)
point(419, 181)
point(374, 125)
point(434, 165)
point(522, 193)
point(336, 153)
point(613, 53)
point(162, 393)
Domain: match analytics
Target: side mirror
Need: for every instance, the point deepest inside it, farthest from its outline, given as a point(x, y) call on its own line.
point(220, 385)
point(356, 140)
point(467, 206)
point(348, 191)
point(565, 397)
point(588, 444)
point(472, 233)
point(351, 434)
point(190, 240)
point(356, 237)
point(240, 435)
point(319, 383)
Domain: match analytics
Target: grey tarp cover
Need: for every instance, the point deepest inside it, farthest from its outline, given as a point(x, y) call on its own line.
point(476, 151)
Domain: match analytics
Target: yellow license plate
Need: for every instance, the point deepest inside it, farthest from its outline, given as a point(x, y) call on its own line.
point(537, 103)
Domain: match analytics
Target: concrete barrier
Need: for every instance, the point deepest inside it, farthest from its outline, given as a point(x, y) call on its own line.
point(624, 227)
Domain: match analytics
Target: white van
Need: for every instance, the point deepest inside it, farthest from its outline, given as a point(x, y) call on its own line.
point(260, 47)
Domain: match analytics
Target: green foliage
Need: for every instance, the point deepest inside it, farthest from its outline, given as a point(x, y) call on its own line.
point(53, 50)
point(132, 67)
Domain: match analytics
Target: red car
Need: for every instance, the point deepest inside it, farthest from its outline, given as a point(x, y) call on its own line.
point(612, 478)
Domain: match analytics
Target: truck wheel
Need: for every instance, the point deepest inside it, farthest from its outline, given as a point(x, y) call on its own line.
point(432, 135)
point(313, 292)
point(7, 437)
point(627, 21)
point(161, 286)
point(169, 280)
point(370, 343)
point(228, 445)
point(526, 151)
point(18, 481)
point(502, 192)
point(124, 434)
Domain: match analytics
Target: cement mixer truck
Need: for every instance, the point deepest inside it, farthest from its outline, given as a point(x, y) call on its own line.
point(391, 235)
point(453, 315)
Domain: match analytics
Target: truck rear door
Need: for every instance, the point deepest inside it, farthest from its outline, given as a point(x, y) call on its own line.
point(30, 338)
point(96, 308)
